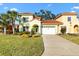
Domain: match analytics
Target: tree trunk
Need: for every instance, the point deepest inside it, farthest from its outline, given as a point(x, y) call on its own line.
point(4, 30)
point(13, 26)
point(13, 29)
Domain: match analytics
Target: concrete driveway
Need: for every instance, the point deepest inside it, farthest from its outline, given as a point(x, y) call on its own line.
point(58, 46)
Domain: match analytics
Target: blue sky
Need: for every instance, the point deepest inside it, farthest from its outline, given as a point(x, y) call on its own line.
point(55, 8)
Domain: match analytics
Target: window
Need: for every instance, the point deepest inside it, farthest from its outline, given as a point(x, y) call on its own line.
point(69, 18)
point(25, 19)
point(25, 28)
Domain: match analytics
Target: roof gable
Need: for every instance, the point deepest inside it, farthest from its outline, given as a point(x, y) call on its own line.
point(66, 14)
point(26, 13)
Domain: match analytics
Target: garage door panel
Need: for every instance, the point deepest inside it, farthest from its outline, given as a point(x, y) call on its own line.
point(48, 30)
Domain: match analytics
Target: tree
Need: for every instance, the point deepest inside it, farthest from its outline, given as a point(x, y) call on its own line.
point(45, 14)
point(4, 21)
point(12, 15)
point(19, 20)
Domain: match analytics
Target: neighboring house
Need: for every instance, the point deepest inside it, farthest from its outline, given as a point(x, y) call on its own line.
point(70, 22)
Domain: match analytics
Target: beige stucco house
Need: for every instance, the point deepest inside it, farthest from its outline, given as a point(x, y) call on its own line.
point(28, 21)
point(67, 20)
point(70, 22)
point(44, 26)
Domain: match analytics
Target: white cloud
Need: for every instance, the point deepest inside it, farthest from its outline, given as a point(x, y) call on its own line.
point(14, 9)
point(5, 7)
point(49, 5)
point(75, 7)
point(72, 11)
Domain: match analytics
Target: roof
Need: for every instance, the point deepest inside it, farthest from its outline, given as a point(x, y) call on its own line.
point(66, 13)
point(49, 22)
point(36, 18)
point(69, 13)
point(25, 13)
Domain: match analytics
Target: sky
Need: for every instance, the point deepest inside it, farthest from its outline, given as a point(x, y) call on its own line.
point(55, 8)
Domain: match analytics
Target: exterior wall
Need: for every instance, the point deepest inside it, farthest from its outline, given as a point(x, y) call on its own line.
point(20, 28)
point(69, 26)
point(29, 17)
point(35, 22)
point(24, 24)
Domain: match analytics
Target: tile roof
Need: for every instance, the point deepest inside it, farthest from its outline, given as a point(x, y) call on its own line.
point(66, 13)
point(26, 13)
point(49, 22)
point(69, 13)
point(36, 18)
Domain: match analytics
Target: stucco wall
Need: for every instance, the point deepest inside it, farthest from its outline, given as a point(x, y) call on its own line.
point(69, 27)
point(35, 22)
point(29, 17)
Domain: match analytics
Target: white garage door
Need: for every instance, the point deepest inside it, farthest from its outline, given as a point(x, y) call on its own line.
point(49, 30)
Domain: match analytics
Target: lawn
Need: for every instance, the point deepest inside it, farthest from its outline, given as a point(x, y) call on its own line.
point(15, 45)
point(72, 37)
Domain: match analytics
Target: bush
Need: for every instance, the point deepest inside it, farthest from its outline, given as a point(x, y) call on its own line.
point(36, 35)
point(63, 30)
point(72, 34)
point(21, 33)
point(24, 36)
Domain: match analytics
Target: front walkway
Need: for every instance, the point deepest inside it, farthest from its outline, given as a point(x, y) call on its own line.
point(58, 46)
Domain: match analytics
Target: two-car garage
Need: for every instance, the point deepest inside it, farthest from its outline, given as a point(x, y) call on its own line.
point(50, 26)
point(49, 29)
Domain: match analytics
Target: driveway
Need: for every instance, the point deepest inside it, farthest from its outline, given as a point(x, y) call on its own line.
point(58, 46)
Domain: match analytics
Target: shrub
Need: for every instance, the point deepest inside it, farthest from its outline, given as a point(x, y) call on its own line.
point(36, 35)
point(24, 36)
point(63, 30)
point(73, 34)
point(21, 33)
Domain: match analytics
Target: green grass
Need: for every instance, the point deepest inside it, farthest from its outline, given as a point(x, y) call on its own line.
point(14, 45)
point(73, 38)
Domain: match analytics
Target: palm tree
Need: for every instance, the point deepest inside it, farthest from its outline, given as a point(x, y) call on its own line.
point(12, 15)
point(19, 19)
point(4, 21)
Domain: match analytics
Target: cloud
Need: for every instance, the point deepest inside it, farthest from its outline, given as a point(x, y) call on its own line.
point(5, 7)
point(14, 9)
point(49, 5)
point(75, 7)
point(72, 11)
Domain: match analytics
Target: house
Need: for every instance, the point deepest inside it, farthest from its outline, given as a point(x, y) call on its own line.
point(44, 26)
point(70, 22)
point(67, 20)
